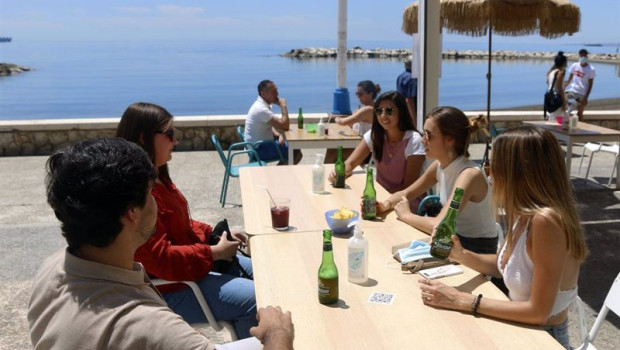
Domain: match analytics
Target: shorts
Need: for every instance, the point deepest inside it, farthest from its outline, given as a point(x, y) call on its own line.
point(573, 95)
point(560, 333)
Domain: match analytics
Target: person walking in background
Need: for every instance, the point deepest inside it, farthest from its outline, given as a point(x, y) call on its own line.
point(181, 248)
point(92, 295)
point(361, 120)
point(396, 146)
point(580, 82)
point(262, 124)
point(407, 86)
point(544, 247)
point(555, 76)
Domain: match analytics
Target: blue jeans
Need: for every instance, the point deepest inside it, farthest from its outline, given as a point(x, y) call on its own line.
point(230, 297)
point(560, 333)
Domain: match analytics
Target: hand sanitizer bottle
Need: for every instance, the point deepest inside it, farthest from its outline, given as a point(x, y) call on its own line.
point(318, 174)
point(320, 128)
point(358, 256)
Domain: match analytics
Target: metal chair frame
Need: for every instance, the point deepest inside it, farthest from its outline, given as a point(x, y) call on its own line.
point(231, 170)
point(212, 322)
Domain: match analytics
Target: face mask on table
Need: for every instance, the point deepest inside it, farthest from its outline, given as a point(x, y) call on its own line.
point(417, 250)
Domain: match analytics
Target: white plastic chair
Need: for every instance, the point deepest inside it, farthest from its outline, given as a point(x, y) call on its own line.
point(599, 147)
point(612, 302)
point(212, 322)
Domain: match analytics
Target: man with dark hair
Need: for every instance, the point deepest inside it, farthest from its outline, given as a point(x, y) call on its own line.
point(93, 295)
point(261, 124)
point(580, 82)
point(407, 86)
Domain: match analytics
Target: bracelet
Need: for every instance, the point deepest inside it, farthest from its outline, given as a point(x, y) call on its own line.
point(475, 304)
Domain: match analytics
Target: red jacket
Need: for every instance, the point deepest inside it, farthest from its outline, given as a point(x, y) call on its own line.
point(179, 249)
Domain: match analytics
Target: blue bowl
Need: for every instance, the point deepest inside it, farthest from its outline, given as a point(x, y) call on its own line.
point(340, 226)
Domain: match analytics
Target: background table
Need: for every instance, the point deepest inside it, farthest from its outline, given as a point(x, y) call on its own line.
point(583, 133)
point(285, 273)
point(307, 211)
point(339, 135)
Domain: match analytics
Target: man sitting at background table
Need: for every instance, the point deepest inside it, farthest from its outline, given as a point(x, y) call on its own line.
point(92, 295)
point(262, 124)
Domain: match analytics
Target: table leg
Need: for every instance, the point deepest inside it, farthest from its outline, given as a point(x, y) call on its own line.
point(569, 155)
point(617, 171)
point(290, 154)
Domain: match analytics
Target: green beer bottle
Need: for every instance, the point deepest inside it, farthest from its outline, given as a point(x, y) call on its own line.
point(369, 198)
point(340, 170)
point(442, 241)
point(328, 273)
point(300, 120)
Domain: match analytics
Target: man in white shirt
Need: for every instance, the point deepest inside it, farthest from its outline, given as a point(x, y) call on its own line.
point(261, 124)
point(580, 82)
point(92, 295)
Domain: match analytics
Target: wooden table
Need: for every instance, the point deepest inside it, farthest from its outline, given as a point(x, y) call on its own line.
point(583, 133)
point(307, 211)
point(285, 274)
point(339, 135)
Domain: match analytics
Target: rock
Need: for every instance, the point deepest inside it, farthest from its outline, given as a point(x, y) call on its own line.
point(10, 68)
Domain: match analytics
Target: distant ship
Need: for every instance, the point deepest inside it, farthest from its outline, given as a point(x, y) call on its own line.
point(5, 39)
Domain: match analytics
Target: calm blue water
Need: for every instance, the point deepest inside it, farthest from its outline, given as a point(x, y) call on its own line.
point(100, 79)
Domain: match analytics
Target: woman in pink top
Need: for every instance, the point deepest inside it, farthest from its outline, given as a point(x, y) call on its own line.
point(395, 143)
point(544, 246)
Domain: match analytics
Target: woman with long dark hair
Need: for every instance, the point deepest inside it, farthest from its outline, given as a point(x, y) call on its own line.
point(179, 249)
point(395, 144)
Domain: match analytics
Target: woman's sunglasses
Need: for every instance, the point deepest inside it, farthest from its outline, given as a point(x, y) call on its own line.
point(387, 110)
point(169, 133)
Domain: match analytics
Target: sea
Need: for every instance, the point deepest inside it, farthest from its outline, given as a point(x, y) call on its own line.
point(100, 79)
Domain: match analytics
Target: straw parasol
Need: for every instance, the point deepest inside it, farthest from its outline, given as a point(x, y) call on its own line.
point(549, 18)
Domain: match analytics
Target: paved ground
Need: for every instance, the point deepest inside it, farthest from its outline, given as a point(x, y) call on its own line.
point(29, 232)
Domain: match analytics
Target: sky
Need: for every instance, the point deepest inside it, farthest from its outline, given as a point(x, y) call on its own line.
point(300, 20)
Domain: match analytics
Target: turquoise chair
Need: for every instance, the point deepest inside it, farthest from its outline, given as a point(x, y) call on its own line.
point(241, 133)
point(427, 205)
point(227, 160)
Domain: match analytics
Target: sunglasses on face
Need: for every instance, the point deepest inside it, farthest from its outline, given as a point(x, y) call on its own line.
point(169, 133)
point(387, 110)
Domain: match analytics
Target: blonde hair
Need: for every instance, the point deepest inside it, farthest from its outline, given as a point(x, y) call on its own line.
point(529, 178)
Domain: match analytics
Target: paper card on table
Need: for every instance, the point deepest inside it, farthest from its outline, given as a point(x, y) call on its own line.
point(441, 271)
point(382, 298)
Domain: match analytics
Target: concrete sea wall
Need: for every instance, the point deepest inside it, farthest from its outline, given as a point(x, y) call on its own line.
point(43, 137)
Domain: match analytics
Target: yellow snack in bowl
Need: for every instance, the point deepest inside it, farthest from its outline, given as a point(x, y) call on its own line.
point(343, 214)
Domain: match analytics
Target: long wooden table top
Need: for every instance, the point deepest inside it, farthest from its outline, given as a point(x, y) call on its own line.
point(336, 132)
point(285, 273)
point(307, 211)
point(582, 130)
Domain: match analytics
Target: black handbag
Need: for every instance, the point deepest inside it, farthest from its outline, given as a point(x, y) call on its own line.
point(553, 100)
point(223, 265)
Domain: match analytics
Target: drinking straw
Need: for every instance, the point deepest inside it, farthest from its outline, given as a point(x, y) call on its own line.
point(273, 203)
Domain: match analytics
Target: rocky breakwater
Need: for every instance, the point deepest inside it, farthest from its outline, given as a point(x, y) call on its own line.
point(358, 52)
point(10, 68)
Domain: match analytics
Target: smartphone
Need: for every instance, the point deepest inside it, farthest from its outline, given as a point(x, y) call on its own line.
point(441, 271)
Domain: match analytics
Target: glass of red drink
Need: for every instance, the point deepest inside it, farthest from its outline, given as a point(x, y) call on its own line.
point(280, 213)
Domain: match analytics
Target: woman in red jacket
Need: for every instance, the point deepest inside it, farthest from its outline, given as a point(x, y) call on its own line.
point(179, 249)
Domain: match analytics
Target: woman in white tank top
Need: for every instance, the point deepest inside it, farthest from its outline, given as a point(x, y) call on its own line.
point(446, 138)
point(544, 246)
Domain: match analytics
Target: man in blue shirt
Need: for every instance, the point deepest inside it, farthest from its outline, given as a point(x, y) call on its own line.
point(407, 86)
